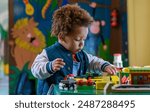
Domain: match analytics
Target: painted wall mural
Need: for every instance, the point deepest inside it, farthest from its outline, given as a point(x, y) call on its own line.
point(28, 41)
point(30, 33)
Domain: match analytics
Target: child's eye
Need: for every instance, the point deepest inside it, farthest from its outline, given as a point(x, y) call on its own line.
point(80, 39)
point(77, 39)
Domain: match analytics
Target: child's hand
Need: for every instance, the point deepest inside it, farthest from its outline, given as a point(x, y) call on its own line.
point(57, 64)
point(111, 69)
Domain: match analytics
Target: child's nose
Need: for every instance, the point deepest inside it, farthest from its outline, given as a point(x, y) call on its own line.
point(81, 43)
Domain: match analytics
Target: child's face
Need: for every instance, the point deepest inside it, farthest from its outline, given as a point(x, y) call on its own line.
point(74, 41)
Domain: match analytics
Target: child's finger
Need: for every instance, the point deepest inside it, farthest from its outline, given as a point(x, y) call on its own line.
point(56, 69)
point(114, 69)
point(59, 61)
point(111, 70)
point(59, 66)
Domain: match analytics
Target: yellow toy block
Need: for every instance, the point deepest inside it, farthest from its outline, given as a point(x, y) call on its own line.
point(100, 85)
point(115, 79)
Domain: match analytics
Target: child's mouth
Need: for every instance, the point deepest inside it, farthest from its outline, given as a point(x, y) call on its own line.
point(78, 50)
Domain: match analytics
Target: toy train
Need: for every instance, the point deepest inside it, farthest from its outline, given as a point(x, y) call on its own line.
point(134, 79)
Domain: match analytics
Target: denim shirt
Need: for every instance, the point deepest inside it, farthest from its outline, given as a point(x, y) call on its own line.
point(76, 66)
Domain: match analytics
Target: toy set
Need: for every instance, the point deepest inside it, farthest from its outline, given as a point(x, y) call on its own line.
point(128, 80)
point(87, 84)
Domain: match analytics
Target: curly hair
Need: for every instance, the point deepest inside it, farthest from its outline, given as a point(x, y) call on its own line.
point(67, 17)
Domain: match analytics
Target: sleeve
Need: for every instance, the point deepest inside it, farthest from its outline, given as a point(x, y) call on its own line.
point(96, 64)
point(42, 67)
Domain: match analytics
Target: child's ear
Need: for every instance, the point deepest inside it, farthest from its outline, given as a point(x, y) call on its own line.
point(61, 36)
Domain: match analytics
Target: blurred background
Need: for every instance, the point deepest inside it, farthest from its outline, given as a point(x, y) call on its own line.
point(3, 38)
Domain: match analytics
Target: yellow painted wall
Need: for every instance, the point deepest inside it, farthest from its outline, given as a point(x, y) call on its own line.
point(139, 32)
